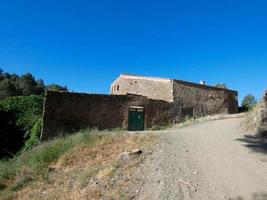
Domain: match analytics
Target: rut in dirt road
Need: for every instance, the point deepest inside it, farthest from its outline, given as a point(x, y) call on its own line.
point(210, 160)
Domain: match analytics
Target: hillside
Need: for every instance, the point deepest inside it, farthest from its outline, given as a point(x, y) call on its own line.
point(87, 165)
point(256, 119)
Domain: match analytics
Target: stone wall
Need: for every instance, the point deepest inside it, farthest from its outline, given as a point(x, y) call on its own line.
point(69, 112)
point(197, 100)
point(153, 88)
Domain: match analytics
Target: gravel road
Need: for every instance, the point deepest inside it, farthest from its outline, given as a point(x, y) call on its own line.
point(209, 160)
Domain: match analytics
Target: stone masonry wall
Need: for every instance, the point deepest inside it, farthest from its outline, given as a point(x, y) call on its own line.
point(153, 88)
point(69, 112)
point(198, 100)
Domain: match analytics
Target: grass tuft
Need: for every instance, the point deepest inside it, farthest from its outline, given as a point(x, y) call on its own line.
point(160, 127)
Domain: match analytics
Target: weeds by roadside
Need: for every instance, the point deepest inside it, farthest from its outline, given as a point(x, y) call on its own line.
point(87, 160)
point(252, 118)
point(32, 165)
point(160, 127)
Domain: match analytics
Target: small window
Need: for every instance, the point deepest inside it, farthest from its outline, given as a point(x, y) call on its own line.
point(118, 87)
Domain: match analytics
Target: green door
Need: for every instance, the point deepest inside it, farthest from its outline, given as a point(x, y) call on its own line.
point(136, 119)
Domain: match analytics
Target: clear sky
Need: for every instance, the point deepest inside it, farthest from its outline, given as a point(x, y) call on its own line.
point(86, 44)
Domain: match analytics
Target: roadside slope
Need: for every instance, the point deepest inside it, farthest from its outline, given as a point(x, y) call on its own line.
point(209, 160)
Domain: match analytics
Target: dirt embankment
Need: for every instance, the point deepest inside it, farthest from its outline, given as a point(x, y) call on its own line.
point(256, 119)
point(262, 129)
point(100, 168)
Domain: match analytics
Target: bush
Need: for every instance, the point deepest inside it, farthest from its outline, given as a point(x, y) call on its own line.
point(25, 114)
point(28, 109)
point(34, 135)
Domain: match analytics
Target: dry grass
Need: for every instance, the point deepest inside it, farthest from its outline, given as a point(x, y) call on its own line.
point(252, 118)
point(87, 171)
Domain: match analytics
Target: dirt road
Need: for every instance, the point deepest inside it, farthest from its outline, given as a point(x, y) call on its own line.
point(209, 160)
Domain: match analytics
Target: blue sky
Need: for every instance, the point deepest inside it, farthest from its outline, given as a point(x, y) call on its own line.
point(86, 44)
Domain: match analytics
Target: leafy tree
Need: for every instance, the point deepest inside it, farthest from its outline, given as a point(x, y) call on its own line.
point(7, 89)
point(40, 87)
point(55, 87)
point(249, 101)
point(1, 74)
point(27, 84)
point(15, 85)
point(221, 85)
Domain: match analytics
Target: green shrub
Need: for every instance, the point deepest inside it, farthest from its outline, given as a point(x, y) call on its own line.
point(34, 138)
point(28, 109)
point(26, 112)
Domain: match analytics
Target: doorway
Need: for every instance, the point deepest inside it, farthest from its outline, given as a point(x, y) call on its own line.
point(136, 118)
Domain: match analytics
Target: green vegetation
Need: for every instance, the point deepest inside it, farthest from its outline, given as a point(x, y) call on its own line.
point(25, 113)
point(21, 104)
point(24, 85)
point(249, 102)
point(34, 164)
point(71, 163)
point(28, 109)
point(221, 85)
point(55, 87)
point(161, 127)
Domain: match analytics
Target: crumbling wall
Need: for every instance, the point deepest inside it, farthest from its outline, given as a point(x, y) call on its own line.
point(196, 100)
point(153, 88)
point(68, 112)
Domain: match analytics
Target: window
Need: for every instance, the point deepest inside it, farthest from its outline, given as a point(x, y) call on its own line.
point(118, 87)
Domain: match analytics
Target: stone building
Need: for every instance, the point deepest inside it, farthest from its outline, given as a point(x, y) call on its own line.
point(188, 99)
point(135, 103)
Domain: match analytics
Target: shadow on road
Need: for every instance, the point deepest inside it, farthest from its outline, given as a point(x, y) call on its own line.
point(255, 143)
point(255, 196)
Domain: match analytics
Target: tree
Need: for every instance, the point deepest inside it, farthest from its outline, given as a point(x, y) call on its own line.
point(249, 101)
point(27, 84)
point(15, 80)
point(221, 85)
point(6, 89)
point(55, 87)
point(40, 87)
point(15, 85)
point(1, 74)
